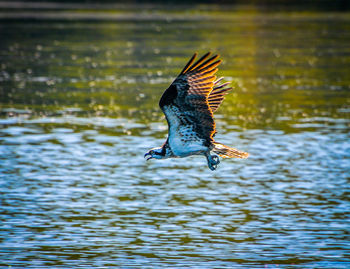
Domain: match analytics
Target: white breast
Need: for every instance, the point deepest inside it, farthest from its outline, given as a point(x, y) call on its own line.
point(183, 140)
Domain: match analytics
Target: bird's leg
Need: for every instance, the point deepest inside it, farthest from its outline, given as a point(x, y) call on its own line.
point(213, 161)
point(216, 159)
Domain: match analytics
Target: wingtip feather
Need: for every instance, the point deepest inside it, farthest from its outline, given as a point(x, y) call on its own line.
point(189, 63)
point(200, 61)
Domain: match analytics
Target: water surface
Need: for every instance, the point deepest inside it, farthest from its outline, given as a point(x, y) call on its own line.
point(79, 107)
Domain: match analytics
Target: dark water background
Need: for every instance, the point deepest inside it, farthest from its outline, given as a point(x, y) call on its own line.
point(79, 93)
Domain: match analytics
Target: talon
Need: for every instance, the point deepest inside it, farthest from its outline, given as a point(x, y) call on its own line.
point(216, 160)
point(213, 161)
point(212, 167)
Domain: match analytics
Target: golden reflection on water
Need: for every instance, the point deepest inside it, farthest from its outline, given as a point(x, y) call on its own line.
point(283, 66)
point(79, 95)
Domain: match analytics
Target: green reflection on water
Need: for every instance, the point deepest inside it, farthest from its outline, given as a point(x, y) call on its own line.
point(286, 67)
point(77, 188)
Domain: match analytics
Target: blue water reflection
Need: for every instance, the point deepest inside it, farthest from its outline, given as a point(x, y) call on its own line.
point(79, 110)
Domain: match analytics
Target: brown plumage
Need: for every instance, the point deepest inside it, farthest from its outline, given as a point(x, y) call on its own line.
point(199, 91)
point(189, 104)
point(228, 152)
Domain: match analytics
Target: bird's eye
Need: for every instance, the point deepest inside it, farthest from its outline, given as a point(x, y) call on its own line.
point(151, 152)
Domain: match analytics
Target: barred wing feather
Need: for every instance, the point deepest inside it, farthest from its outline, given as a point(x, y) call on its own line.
point(196, 94)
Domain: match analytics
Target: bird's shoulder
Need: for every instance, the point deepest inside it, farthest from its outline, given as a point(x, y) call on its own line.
point(194, 95)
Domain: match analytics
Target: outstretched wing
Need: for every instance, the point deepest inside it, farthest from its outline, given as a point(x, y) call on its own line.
point(218, 93)
point(195, 95)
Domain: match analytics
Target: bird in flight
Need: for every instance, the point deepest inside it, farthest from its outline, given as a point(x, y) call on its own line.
point(188, 105)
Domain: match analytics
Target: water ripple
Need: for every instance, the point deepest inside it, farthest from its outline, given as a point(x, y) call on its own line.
point(88, 195)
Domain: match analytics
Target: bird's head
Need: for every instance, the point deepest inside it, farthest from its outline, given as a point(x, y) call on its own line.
point(156, 153)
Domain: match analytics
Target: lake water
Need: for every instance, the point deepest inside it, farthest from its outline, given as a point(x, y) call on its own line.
point(79, 96)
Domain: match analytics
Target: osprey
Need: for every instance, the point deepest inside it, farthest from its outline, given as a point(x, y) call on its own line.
point(188, 105)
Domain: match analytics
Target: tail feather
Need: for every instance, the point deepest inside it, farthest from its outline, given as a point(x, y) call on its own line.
point(227, 152)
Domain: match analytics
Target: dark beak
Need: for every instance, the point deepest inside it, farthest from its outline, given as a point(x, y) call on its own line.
point(148, 157)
